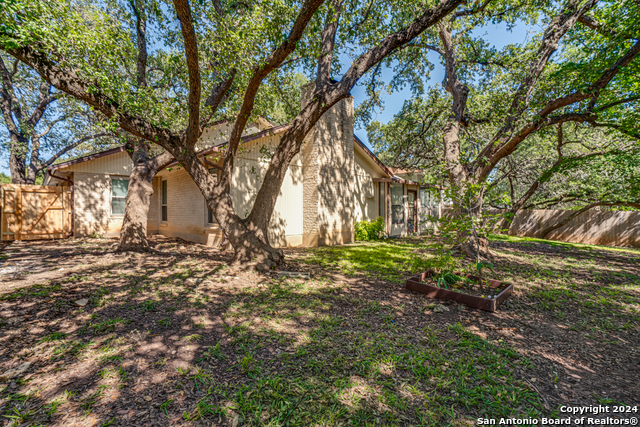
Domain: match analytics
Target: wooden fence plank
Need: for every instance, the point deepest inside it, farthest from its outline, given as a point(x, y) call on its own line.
point(18, 214)
point(610, 228)
point(43, 213)
point(2, 214)
point(27, 218)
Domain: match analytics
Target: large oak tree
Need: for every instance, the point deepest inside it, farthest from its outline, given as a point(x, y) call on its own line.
point(223, 44)
point(582, 68)
point(41, 125)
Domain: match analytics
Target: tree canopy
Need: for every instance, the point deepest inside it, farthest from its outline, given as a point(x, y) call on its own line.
point(495, 119)
point(210, 60)
point(42, 124)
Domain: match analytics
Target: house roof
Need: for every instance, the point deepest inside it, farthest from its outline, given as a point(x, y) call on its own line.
point(399, 170)
point(216, 148)
point(83, 159)
point(373, 156)
point(396, 179)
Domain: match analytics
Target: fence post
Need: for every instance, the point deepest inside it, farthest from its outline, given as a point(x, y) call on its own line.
point(18, 211)
point(1, 214)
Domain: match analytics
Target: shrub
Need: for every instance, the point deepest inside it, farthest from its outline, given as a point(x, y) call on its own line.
point(370, 230)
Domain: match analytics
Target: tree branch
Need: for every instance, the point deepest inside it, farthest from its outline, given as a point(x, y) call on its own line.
point(161, 160)
point(69, 147)
point(327, 43)
point(556, 29)
point(494, 154)
point(617, 127)
point(393, 41)
point(621, 101)
point(44, 99)
point(590, 22)
point(14, 68)
point(273, 61)
point(476, 9)
point(423, 46)
point(67, 80)
point(220, 92)
point(50, 126)
point(590, 206)
point(355, 27)
point(324, 98)
point(141, 36)
point(183, 10)
point(7, 99)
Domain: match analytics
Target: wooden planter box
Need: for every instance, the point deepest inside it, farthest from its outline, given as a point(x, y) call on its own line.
point(488, 304)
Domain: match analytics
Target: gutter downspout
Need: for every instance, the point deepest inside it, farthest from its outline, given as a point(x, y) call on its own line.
point(50, 172)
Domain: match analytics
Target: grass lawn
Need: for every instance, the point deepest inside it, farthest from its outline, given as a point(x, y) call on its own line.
point(176, 338)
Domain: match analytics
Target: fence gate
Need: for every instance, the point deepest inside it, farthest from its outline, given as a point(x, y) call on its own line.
point(31, 212)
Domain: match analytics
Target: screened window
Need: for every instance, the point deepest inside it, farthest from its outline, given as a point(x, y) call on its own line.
point(164, 201)
point(383, 199)
point(210, 218)
point(119, 191)
point(424, 198)
point(396, 192)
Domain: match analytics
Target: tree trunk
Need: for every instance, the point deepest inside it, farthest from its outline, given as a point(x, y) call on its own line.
point(459, 177)
point(17, 160)
point(508, 218)
point(17, 169)
point(250, 243)
point(250, 250)
point(133, 234)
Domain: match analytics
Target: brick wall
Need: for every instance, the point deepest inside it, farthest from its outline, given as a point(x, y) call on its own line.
point(329, 177)
point(92, 206)
point(186, 213)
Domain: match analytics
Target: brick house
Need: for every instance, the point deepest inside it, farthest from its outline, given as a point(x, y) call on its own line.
point(332, 183)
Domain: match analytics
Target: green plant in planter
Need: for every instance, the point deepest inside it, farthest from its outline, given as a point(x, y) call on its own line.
point(447, 278)
point(443, 265)
point(464, 226)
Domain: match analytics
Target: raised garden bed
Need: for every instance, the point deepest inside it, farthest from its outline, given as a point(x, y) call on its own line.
point(425, 284)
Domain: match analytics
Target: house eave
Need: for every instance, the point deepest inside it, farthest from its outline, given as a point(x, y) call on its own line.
point(83, 159)
point(396, 179)
point(373, 157)
point(218, 148)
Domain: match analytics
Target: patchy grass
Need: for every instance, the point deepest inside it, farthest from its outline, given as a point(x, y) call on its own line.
point(556, 243)
point(388, 260)
point(180, 339)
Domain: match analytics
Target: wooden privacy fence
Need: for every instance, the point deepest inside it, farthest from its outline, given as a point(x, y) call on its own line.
point(612, 228)
point(31, 212)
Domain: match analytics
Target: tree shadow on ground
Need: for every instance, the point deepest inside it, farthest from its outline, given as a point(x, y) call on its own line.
point(177, 338)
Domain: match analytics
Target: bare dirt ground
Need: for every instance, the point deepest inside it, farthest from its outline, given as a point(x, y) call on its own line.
point(175, 337)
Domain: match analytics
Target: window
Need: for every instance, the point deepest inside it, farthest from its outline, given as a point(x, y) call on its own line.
point(396, 191)
point(425, 201)
point(210, 218)
point(119, 191)
point(382, 200)
point(164, 201)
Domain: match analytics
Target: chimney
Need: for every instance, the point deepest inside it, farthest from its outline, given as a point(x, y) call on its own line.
point(329, 176)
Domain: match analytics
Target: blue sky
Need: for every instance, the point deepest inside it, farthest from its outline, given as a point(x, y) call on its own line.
point(497, 35)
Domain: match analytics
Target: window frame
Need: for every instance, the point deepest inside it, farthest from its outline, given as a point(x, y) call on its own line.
point(209, 213)
point(382, 200)
point(164, 201)
point(401, 206)
point(119, 178)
